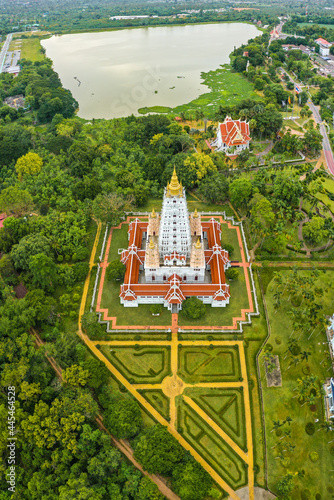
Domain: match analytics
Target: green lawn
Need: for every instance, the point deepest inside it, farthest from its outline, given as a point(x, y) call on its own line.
point(280, 402)
point(31, 49)
point(226, 87)
point(158, 400)
point(222, 316)
point(209, 364)
point(140, 364)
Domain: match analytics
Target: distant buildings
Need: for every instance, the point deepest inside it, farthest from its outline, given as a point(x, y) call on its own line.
point(329, 384)
point(233, 137)
point(324, 46)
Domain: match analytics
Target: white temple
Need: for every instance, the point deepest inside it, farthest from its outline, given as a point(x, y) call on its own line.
point(175, 240)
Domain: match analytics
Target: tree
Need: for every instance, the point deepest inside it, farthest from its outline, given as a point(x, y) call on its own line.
point(287, 189)
point(15, 201)
point(123, 418)
point(194, 308)
point(314, 230)
point(262, 215)
point(29, 164)
point(241, 192)
point(75, 376)
point(111, 207)
point(15, 141)
point(157, 450)
point(91, 325)
point(44, 271)
point(115, 270)
point(199, 165)
point(214, 188)
point(232, 274)
point(30, 245)
point(7, 270)
point(148, 490)
point(191, 481)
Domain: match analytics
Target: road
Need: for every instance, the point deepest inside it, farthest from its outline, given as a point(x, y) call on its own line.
point(4, 50)
point(325, 140)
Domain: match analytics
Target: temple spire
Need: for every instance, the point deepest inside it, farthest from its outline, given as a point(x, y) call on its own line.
point(174, 188)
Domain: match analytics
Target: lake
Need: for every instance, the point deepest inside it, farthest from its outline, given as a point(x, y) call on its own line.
point(113, 73)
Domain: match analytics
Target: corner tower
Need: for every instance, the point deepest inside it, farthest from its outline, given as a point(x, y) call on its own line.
point(174, 233)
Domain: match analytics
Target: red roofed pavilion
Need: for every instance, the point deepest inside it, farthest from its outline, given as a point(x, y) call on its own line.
point(233, 136)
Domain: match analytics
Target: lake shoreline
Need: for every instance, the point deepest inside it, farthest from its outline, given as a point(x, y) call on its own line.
point(121, 28)
point(136, 72)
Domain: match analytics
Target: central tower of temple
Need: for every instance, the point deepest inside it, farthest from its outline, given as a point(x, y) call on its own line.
point(174, 234)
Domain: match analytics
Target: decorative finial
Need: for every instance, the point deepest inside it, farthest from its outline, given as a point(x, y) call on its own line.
point(198, 243)
point(153, 214)
point(174, 188)
point(151, 245)
point(195, 214)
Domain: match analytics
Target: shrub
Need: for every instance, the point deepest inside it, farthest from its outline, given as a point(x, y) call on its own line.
point(229, 248)
point(278, 340)
point(123, 418)
point(310, 428)
point(313, 456)
point(81, 270)
point(156, 309)
point(268, 347)
point(81, 254)
point(278, 432)
point(193, 308)
point(318, 496)
point(330, 489)
point(115, 271)
point(232, 274)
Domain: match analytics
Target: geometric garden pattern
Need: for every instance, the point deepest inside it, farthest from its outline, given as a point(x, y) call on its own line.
point(198, 389)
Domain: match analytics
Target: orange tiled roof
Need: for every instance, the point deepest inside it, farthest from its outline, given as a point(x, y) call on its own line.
point(234, 132)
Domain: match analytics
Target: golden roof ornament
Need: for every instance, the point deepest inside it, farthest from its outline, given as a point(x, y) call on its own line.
point(151, 245)
point(174, 188)
point(195, 215)
point(153, 214)
point(198, 244)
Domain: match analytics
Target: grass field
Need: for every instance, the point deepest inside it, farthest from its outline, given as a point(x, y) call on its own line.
point(281, 402)
point(225, 87)
point(31, 49)
point(219, 316)
point(209, 364)
point(140, 364)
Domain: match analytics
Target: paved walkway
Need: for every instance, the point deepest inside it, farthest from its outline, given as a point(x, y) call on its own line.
point(173, 386)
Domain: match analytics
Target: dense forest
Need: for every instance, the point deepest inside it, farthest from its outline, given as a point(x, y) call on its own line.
point(59, 175)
